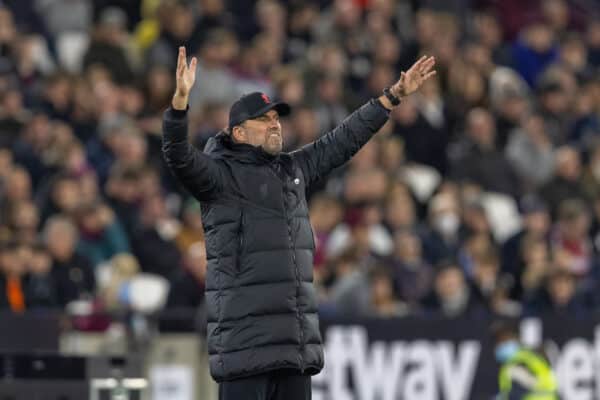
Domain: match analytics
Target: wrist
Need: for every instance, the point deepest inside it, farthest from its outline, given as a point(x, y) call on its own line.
point(180, 101)
point(390, 94)
point(385, 102)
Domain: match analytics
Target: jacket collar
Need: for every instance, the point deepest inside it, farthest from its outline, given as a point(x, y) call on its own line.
point(222, 145)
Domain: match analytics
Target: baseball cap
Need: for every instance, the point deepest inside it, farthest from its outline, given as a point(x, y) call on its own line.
point(254, 105)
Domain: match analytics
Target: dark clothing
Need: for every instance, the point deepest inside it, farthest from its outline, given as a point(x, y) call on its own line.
point(436, 249)
point(412, 282)
point(261, 303)
point(542, 303)
point(112, 57)
point(471, 306)
point(186, 291)
point(155, 254)
point(74, 279)
point(279, 385)
point(558, 190)
point(487, 168)
point(41, 291)
point(424, 143)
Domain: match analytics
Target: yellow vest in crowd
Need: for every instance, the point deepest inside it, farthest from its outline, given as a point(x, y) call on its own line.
point(545, 387)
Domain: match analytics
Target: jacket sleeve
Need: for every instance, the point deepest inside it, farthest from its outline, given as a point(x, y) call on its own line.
point(336, 147)
point(199, 174)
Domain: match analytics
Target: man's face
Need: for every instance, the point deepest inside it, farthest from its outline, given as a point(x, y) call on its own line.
point(265, 132)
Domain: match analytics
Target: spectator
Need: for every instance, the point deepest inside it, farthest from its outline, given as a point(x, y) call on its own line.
point(412, 277)
point(536, 227)
point(41, 287)
point(153, 241)
point(24, 222)
point(590, 180)
point(213, 73)
point(555, 103)
point(191, 231)
point(383, 301)
point(109, 45)
point(530, 152)
point(187, 283)
point(325, 214)
point(559, 297)
point(101, 235)
point(17, 188)
point(350, 293)
point(424, 143)
point(480, 161)
point(570, 239)
point(451, 295)
point(534, 50)
point(12, 278)
point(73, 274)
point(13, 117)
point(486, 276)
point(566, 182)
point(536, 267)
point(443, 238)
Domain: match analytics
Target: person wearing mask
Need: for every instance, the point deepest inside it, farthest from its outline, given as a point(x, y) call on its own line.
point(524, 374)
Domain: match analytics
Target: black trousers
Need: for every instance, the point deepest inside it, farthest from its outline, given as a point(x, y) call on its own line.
point(277, 385)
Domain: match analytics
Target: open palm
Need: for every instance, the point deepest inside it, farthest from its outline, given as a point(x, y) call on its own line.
point(185, 75)
point(417, 74)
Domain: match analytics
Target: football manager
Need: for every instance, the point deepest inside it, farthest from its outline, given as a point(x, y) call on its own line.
point(263, 327)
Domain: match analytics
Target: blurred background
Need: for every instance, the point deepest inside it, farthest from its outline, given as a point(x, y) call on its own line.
point(479, 198)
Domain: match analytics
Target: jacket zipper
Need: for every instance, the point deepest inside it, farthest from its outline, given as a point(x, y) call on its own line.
point(297, 271)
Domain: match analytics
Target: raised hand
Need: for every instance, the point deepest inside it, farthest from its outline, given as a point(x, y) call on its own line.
point(185, 76)
point(411, 80)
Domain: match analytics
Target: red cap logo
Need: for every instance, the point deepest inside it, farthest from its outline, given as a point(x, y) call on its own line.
point(265, 98)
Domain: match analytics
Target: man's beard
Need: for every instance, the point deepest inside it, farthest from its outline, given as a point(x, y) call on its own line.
point(273, 144)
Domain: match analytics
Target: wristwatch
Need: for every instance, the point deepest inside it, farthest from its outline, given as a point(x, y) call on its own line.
point(393, 99)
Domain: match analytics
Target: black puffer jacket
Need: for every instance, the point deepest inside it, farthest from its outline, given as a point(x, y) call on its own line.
point(261, 303)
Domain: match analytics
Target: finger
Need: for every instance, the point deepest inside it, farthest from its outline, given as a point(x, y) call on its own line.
point(429, 75)
point(430, 62)
point(416, 65)
point(420, 62)
point(193, 67)
point(181, 61)
point(425, 65)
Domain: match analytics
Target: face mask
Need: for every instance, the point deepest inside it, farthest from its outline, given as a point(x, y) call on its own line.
point(506, 350)
point(447, 224)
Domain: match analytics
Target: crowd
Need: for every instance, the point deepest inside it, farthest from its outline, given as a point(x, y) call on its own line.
point(480, 195)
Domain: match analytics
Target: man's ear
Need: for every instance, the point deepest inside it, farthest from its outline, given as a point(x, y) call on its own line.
point(238, 133)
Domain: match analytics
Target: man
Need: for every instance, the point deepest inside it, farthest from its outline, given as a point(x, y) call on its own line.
point(263, 328)
point(524, 374)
